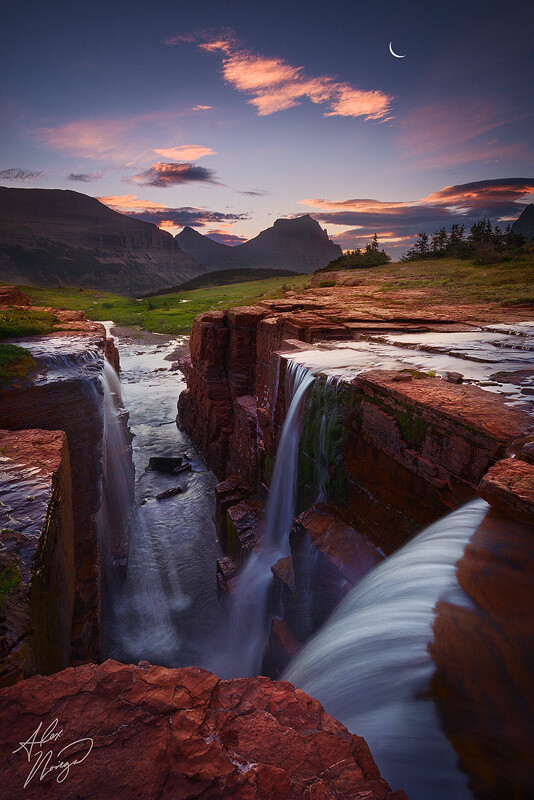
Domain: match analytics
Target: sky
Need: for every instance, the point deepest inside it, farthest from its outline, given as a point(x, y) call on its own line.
point(227, 115)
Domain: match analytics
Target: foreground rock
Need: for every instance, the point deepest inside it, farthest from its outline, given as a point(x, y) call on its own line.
point(150, 732)
point(36, 554)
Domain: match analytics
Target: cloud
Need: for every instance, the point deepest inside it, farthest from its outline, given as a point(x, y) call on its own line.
point(16, 174)
point(120, 139)
point(170, 174)
point(84, 177)
point(90, 138)
point(466, 203)
point(455, 131)
point(275, 85)
point(178, 38)
point(165, 217)
point(224, 237)
point(255, 194)
point(186, 152)
point(201, 108)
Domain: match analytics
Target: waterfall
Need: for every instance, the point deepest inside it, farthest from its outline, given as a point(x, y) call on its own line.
point(117, 495)
point(240, 650)
point(370, 667)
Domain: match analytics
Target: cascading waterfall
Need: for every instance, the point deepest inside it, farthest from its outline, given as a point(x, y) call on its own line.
point(117, 494)
point(370, 667)
point(240, 651)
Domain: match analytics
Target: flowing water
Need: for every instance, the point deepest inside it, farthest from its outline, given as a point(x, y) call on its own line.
point(370, 667)
point(166, 603)
point(238, 652)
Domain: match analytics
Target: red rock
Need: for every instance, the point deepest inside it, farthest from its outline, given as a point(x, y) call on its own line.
point(36, 554)
point(509, 487)
point(244, 527)
point(12, 296)
point(228, 493)
point(484, 685)
point(182, 734)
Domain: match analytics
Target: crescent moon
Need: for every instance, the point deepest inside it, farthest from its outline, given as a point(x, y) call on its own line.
point(395, 54)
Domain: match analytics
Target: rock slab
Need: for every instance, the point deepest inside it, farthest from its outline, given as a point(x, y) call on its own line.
point(150, 732)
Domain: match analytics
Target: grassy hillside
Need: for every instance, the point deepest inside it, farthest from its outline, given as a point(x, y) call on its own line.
point(435, 282)
point(171, 313)
point(444, 280)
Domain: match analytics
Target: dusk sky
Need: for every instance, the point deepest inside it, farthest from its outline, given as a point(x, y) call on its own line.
point(227, 115)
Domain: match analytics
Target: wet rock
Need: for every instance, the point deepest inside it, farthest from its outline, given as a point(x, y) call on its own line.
point(244, 522)
point(36, 554)
point(453, 377)
point(329, 558)
point(227, 570)
point(281, 647)
point(165, 464)
point(169, 493)
point(182, 733)
point(228, 493)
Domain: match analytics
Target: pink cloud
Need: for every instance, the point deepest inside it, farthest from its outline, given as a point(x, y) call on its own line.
point(129, 202)
point(275, 85)
point(186, 152)
point(455, 131)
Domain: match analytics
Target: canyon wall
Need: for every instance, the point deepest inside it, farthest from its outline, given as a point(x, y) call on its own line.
point(72, 401)
point(36, 554)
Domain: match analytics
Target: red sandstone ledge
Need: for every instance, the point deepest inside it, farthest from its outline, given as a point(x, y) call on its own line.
point(181, 734)
point(509, 487)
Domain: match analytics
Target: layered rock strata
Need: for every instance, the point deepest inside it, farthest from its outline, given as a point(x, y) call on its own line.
point(151, 732)
point(36, 554)
point(72, 402)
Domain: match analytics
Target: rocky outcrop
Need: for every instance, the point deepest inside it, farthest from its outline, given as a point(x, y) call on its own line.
point(417, 448)
point(36, 554)
point(483, 685)
point(51, 236)
point(152, 732)
point(509, 487)
point(524, 225)
point(298, 244)
point(71, 401)
point(329, 558)
point(12, 296)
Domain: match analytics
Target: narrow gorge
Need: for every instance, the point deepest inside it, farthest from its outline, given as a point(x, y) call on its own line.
point(342, 516)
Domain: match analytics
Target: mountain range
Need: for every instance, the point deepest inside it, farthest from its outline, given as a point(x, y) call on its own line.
point(298, 244)
point(51, 237)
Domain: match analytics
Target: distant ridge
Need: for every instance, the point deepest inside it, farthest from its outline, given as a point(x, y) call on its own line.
point(55, 236)
point(298, 244)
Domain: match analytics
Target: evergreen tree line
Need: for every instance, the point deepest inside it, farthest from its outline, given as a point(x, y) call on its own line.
point(371, 256)
point(484, 243)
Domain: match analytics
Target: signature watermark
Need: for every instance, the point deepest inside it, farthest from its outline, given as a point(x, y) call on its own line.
point(43, 760)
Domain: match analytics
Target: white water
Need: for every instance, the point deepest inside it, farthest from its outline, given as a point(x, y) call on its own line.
point(165, 602)
point(239, 651)
point(370, 664)
point(117, 474)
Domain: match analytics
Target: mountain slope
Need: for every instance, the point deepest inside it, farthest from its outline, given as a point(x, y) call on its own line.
point(524, 224)
point(54, 236)
point(298, 244)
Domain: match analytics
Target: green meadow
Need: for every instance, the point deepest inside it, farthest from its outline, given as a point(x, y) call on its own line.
point(170, 313)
